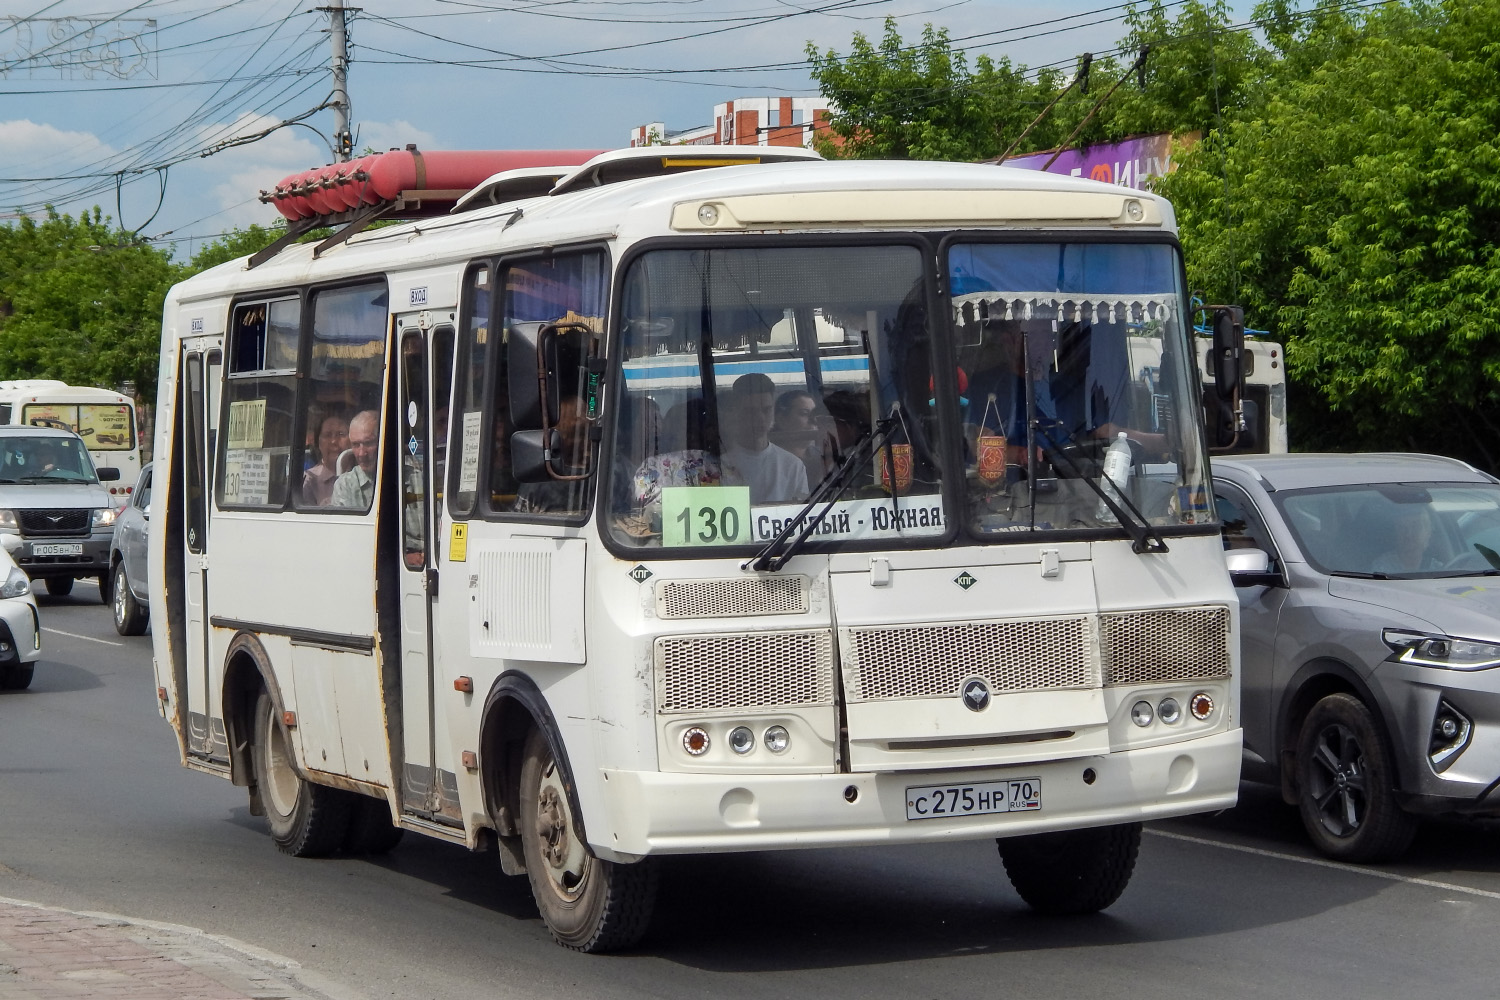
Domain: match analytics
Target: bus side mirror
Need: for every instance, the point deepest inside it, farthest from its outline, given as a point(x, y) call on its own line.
point(1228, 350)
point(531, 365)
point(108, 475)
point(528, 454)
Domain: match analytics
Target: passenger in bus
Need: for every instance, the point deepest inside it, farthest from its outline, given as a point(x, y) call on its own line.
point(688, 444)
point(355, 489)
point(801, 429)
point(332, 438)
point(773, 474)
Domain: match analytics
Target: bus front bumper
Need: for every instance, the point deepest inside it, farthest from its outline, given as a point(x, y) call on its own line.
point(675, 813)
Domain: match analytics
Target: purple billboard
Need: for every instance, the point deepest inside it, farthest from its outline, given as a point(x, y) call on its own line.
point(1131, 162)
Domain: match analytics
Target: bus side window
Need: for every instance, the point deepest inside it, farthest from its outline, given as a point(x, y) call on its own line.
point(464, 422)
point(571, 289)
point(260, 395)
point(346, 371)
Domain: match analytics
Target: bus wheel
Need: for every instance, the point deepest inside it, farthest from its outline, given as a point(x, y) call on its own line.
point(1072, 871)
point(130, 617)
point(59, 586)
point(306, 820)
point(588, 904)
point(16, 677)
point(370, 828)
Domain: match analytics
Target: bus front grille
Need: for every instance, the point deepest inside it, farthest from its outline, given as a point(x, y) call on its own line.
point(928, 661)
point(695, 673)
point(732, 598)
point(1146, 647)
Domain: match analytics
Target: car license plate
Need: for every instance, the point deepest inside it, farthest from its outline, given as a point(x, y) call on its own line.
point(58, 549)
point(934, 801)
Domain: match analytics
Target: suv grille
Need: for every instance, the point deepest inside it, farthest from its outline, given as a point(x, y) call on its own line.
point(54, 522)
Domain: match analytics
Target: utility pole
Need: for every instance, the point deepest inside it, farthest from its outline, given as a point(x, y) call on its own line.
point(338, 34)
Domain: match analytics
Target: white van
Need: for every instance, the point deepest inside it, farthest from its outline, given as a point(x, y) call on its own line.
point(103, 418)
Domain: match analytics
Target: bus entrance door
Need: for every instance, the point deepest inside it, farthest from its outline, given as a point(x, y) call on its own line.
point(198, 413)
point(425, 373)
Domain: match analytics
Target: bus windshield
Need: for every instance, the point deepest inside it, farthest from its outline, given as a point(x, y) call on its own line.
point(751, 375)
point(1067, 351)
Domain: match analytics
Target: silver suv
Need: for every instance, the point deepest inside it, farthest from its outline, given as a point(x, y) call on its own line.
point(1370, 621)
point(56, 519)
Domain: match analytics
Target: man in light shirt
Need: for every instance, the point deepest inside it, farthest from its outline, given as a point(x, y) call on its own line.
point(355, 489)
point(773, 474)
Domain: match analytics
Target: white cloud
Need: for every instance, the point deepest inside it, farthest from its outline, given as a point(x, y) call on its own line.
point(381, 136)
point(234, 178)
point(25, 143)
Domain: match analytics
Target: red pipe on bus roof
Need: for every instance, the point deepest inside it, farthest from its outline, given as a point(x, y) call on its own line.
point(370, 180)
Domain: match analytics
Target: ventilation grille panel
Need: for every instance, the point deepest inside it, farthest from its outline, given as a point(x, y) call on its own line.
point(933, 660)
point(1148, 647)
point(737, 597)
point(752, 670)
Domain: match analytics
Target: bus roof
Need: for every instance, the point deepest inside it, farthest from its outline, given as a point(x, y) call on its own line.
point(47, 390)
point(816, 196)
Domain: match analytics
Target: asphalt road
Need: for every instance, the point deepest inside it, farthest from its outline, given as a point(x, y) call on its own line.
point(96, 814)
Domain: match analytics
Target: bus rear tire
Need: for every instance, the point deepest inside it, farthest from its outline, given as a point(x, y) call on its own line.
point(1072, 872)
point(59, 586)
point(306, 820)
point(588, 904)
point(370, 828)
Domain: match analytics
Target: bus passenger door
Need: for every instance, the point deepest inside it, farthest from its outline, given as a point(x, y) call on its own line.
point(425, 372)
point(198, 389)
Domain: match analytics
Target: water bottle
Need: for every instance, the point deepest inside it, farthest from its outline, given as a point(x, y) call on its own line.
point(1118, 464)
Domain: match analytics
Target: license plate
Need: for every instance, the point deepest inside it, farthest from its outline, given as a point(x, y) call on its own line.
point(978, 799)
point(58, 549)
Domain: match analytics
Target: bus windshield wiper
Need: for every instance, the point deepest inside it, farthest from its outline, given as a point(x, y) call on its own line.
point(775, 553)
point(1143, 537)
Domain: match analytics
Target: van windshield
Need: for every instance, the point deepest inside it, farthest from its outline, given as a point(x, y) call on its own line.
point(103, 426)
point(45, 460)
point(753, 375)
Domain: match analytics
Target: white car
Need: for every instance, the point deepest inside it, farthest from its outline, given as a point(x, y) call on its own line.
point(20, 627)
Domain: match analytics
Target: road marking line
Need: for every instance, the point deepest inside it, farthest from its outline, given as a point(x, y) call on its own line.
point(75, 635)
point(1322, 863)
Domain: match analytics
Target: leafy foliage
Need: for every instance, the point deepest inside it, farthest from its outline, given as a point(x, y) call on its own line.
point(1346, 188)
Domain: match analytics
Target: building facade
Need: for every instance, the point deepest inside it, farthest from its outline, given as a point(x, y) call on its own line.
point(747, 121)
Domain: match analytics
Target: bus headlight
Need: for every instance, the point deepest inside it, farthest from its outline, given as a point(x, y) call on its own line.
point(777, 739)
point(741, 740)
point(17, 584)
point(1141, 714)
point(104, 517)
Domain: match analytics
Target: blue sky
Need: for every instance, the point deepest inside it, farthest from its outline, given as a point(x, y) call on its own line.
point(81, 100)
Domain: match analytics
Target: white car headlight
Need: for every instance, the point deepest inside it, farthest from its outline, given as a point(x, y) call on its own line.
point(7, 519)
point(105, 516)
point(1448, 652)
point(17, 584)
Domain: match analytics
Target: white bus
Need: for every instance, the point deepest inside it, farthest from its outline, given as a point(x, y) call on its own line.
point(489, 528)
point(106, 420)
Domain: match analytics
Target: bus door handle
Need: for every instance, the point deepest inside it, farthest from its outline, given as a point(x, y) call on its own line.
point(430, 582)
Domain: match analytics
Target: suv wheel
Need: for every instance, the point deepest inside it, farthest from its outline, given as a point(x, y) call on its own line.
point(1346, 784)
point(59, 586)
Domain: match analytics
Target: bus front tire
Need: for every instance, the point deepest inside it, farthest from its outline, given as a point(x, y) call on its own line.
point(130, 617)
point(306, 820)
point(588, 904)
point(16, 677)
point(59, 586)
point(1072, 872)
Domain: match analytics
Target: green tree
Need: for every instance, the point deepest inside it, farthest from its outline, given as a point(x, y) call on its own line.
point(81, 301)
point(1355, 209)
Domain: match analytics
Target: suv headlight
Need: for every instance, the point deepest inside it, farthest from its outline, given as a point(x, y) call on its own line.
point(105, 516)
point(1446, 651)
point(8, 519)
point(17, 584)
